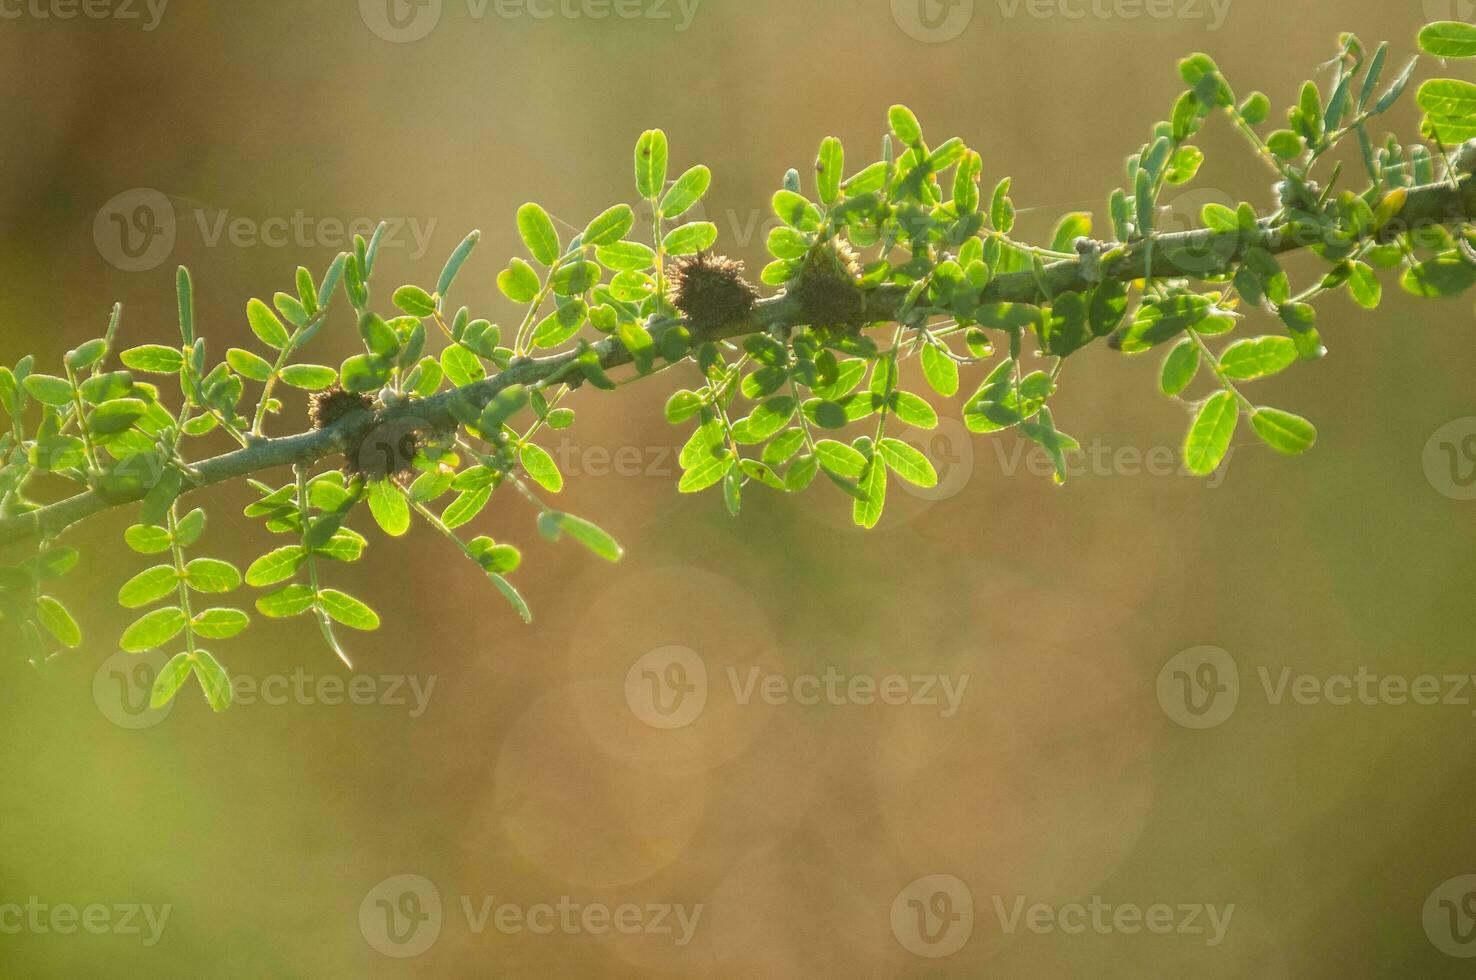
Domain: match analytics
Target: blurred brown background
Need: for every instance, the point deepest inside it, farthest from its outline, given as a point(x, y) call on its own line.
point(528, 774)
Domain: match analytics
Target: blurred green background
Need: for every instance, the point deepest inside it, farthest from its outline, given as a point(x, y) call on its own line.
point(526, 775)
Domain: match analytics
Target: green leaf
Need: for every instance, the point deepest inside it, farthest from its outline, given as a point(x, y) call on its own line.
point(650, 163)
point(682, 405)
point(211, 576)
point(904, 124)
point(1450, 105)
point(58, 622)
point(537, 229)
point(49, 390)
point(154, 629)
point(690, 239)
point(873, 485)
point(1364, 286)
point(345, 609)
point(187, 529)
point(153, 359)
point(593, 537)
point(519, 282)
point(147, 540)
point(828, 170)
point(541, 467)
point(170, 680)
point(706, 470)
point(390, 509)
point(184, 292)
point(1259, 357)
point(1179, 368)
point(220, 624)
point(1284, 143)
point(575, 278)
point(116, 416)
point(839, 459)
point(291, 600)
point(510, 592)
point(1210, 435)
point(1449, 39)
point(907, 462)
point(248, 365)
point(309, 377)
point(265, 324)
point(1283, 431)
point(940, 370)
point(626, 257)
point(213, 680)
point(686, 192)
point(462, 366)
point(560, 325)
point(148, 587)
point(1161, 320)
point(465, 507)
point(276, 566)
point(455, 262)
point(795, 211)
point(1444, 275)
point(609, 227)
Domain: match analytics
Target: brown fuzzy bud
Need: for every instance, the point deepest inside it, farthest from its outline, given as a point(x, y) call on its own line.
point(710, 290)
point(826, 286)
point(331, 404)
